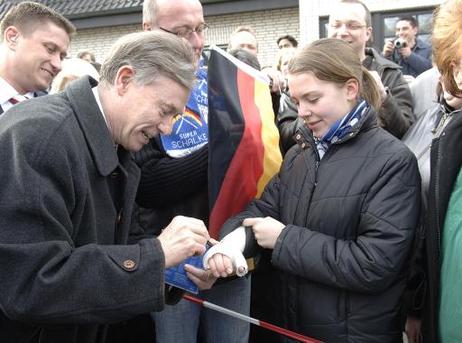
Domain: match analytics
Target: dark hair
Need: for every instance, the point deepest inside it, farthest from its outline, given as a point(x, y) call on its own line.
point(246, 57)
point(368, 17)
point(289, 38)
point(83, 53)
point(334, 60)
point(411, 20)
point(26, 15)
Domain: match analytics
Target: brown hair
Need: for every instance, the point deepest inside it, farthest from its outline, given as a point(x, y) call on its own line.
point(334, 60)
point(447, 42)
point(27, 15)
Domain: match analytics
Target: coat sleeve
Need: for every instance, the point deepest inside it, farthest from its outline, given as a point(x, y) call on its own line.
point(49, 276)
point(379, 253)
point(266, 206)
point(288, 123)
point(166, 180)
point(396, 114)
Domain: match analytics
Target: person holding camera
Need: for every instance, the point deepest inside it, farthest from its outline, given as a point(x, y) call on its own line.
point(407, 50)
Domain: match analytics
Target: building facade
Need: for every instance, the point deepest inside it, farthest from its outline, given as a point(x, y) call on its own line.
point(100, 23)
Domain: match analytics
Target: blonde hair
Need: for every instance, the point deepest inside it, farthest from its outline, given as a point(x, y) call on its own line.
point(334, 60)
point(447, 42)
point(72, 69)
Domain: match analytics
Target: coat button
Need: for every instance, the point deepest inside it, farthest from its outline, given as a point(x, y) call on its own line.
point(303, 145)
point(129, 264)
point(298, 136)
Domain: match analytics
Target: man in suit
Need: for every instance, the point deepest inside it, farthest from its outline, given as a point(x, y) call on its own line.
point(72, 264)
point(34, 40)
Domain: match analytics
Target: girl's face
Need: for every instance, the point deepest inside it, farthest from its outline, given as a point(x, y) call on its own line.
point(321, 103)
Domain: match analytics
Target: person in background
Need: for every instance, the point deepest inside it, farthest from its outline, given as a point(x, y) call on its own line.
point(72, 69)
point(174, 181)
point(412, 53)
point(34, 41)
point(243, 37)
point(340, 216)
point(73, 261)
point(442, 313)
point(287, 41)
point(350, 20)
point(86, 56)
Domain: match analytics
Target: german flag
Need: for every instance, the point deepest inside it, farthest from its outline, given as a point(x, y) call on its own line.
point(243, 139)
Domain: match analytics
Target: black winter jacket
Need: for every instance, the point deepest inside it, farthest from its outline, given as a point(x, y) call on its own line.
point(445, 164)
point(350, 219)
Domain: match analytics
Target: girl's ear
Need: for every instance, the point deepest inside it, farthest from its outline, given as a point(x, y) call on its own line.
point(352, 89)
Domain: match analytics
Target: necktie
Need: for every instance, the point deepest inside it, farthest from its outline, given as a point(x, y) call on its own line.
point(17, 98)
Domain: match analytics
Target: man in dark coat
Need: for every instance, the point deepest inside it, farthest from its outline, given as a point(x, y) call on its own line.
point(71, 264)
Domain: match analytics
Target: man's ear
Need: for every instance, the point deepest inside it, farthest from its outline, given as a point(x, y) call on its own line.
point(124, 79)
point(11, 36)
point(147, 27)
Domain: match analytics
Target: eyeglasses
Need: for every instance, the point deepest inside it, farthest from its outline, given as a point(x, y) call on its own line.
point(350, 26)
point(187, 32)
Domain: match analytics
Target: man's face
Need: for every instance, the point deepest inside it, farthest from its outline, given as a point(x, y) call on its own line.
point(244, 40)
point(146, 111)
point(348, 22)
point(405, 31)
point(37, 57)
point(285, 43)
point(180, 15)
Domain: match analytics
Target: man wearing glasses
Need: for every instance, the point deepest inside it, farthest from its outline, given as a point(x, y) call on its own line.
point(350, 20)
point(174, 181)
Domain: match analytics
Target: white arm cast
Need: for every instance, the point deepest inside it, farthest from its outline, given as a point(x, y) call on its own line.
point(232, 246)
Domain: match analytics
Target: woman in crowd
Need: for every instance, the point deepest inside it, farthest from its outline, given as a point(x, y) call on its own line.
point(443, 221)
point(340, 216)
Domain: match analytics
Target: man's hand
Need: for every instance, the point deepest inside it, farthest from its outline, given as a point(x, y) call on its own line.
point(388, 48)
point(204, 279)
point(278, 83)
point(266, 230)
point(182, 238)
point(405, 51)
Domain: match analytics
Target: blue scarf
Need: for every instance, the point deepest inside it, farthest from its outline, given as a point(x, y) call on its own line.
point(341, 127)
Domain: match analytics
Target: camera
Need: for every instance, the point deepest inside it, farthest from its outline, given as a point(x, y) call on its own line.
point(400, 43)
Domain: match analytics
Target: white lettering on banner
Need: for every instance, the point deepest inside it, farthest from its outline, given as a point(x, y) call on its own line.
point(192, 140)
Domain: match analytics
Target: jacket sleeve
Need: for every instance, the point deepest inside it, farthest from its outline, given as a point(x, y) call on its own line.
point(288, 123)
point(266, 206)
point(371, 261)
point(166, 180)
point(396, 114)
point(420, 63)
point(50, 276)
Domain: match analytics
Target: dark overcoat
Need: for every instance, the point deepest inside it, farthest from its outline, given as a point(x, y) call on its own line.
point(70, 265)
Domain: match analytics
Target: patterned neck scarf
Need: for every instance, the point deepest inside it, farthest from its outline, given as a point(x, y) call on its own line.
point(341, 127)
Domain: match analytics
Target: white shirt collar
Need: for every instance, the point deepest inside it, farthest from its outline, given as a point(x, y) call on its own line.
point(7, 91)
point(100, 106)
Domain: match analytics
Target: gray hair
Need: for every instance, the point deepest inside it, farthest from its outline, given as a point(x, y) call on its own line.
point(150, 12)
point(151, 54)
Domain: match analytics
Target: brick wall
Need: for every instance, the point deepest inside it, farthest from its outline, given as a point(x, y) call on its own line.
point(268, 25)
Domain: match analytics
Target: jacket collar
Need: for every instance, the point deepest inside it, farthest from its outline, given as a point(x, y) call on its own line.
point(379, 62)
point(367, 121)
point(92, 123)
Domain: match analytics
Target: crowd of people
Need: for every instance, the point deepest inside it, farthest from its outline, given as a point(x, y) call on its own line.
point(357, 238)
